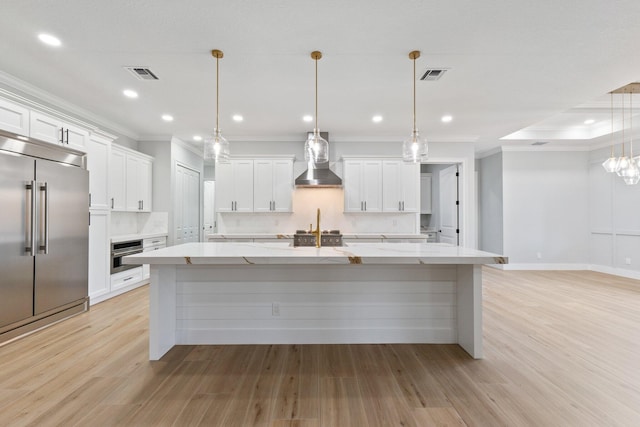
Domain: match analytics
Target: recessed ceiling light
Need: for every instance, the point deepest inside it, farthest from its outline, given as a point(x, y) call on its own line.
point(167, 117)
point(376, 119)
point(130, 93)
point(237, 118)
point(589, 122)
point(446, 119)
point(307, 118)
point(49, 39)
point(197, 138)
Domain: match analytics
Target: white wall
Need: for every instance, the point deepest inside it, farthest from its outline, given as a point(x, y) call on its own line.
point(490, 199)
point(546, 209)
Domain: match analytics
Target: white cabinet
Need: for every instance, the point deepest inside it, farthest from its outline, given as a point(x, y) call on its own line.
point(126, 278)
point(138, 183)
point(99, 255)
point(54, 130)
point(117, 178)
point(148, 245)
point(98, 151)
point(130, 180)
point(363, 186)
point(400, 186)
point(234, 186)
point(272, 185)
point(425, 193)
point(14, 118)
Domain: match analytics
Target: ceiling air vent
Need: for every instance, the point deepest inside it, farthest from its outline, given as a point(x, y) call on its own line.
point(433, 74)
point(142, 73)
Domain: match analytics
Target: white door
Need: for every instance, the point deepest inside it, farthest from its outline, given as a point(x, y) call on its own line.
point(353, 200)
point(262, 186)
point(449, 205)
point(209, 208)
point(187, 205)
point(98, 165)
point(282, 185)
point(117, 179)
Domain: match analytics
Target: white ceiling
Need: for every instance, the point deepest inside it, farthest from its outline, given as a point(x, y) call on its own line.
point(541, 65)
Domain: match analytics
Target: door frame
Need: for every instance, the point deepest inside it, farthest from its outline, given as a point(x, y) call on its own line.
point(466, 220)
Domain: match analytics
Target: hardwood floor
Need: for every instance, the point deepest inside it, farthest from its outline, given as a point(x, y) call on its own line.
point(561, 349)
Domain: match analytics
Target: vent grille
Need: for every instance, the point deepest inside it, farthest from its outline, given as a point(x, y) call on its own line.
point(142, 73)
point(433, 74)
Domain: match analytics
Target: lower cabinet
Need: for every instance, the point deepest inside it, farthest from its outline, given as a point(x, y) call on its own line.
point(148, 245)
point(126, 278)
point(99, 255)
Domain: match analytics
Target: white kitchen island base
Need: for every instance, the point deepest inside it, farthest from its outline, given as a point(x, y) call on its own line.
point(366, 293)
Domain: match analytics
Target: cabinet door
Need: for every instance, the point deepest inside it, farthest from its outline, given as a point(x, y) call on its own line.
point(409, 181)
point(14, 118)
point(282, 185)
point(224, 187)
point(75, 137)
point(372, 185)
point(353, 198)
point(98, 165)
point(425, 193)
point(99, 273)
point(144, 179)
point(262, 185)
point(243, 185)
point(117, 179)
point(131, 184)
point(391, 188)
point(45, 128)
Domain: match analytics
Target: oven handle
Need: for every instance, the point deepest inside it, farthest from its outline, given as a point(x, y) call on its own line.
point(125, 253)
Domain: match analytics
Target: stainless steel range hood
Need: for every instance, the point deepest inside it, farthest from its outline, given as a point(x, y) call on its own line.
point(319, 175)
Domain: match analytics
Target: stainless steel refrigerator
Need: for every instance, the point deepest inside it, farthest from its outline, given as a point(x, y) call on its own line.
point(44, 234)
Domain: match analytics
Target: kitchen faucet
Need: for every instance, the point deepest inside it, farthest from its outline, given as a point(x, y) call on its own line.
point(317, 231)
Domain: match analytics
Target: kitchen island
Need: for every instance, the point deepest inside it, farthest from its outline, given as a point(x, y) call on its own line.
point(272, 293)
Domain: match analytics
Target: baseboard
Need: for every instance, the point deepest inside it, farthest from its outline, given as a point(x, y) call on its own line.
point(629, 274)
point(119, 291)
point(532, 266)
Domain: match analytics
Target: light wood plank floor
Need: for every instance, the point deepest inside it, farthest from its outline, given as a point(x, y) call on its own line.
point(561, 349)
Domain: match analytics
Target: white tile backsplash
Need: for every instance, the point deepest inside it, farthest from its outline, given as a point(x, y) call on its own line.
point(305, 203)
point(139, 223)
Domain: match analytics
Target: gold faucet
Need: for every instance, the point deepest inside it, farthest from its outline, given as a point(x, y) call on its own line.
point(317, 231)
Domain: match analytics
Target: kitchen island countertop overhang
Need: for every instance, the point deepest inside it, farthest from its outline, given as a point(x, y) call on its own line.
point(272, 293)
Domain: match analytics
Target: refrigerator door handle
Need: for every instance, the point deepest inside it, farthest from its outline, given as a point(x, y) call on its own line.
point(31, 219)
point(44, 188)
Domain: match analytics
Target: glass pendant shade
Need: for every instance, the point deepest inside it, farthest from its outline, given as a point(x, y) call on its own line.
point(631, 174)
point(415, 148)
point(316, 148)
point(622, 164)
point(217, 148)
point(611, 164)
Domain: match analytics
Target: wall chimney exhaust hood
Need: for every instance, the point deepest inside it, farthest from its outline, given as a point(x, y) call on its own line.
point(319, 175)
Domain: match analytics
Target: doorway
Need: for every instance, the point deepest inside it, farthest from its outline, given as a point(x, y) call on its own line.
point(446, 216)
point(187, 205)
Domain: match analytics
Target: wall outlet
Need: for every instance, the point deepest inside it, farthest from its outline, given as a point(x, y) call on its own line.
point(539, 255)
point(627, 261)
point(275, 309)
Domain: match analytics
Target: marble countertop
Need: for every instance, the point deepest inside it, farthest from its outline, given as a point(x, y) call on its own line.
point(279, 253)
point(125, 237)
point(290, 236)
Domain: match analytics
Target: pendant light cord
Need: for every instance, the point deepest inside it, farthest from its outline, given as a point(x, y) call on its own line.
point(217, 92)
point(414, 95)
point(612, 154)
point(622, 125)
point(631, 126)
point(316, 127)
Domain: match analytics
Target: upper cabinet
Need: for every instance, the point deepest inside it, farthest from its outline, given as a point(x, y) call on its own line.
point(272, 185)
point(400, 191)
point(98, 150)
point(425, 193)
point(362, 186)
point(54, 130)
point(14, 118)
point(130, 180)
point(234, 186)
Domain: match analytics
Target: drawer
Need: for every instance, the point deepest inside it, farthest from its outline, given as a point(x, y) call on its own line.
point(126, 278)
point(155, 242)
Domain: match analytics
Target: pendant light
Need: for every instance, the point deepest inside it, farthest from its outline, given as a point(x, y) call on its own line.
point(316, 148)
point(611, 164)
point(630, 174)
point(414, 148)
point(217, 147)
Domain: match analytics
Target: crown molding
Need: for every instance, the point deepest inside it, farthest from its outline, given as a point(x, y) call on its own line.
point(14, 83)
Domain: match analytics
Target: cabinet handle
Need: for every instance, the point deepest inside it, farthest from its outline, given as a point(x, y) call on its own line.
point(89, 199)
point(66, 131)
point(112, 203)
point(399, 206)
point(361, 206)
point(61, 136)
point(365, 205)
point(128, 278)
point(141, 205)
point(403, 206)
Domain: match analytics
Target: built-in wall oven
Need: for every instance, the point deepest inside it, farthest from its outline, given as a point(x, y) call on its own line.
point(122, 249)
